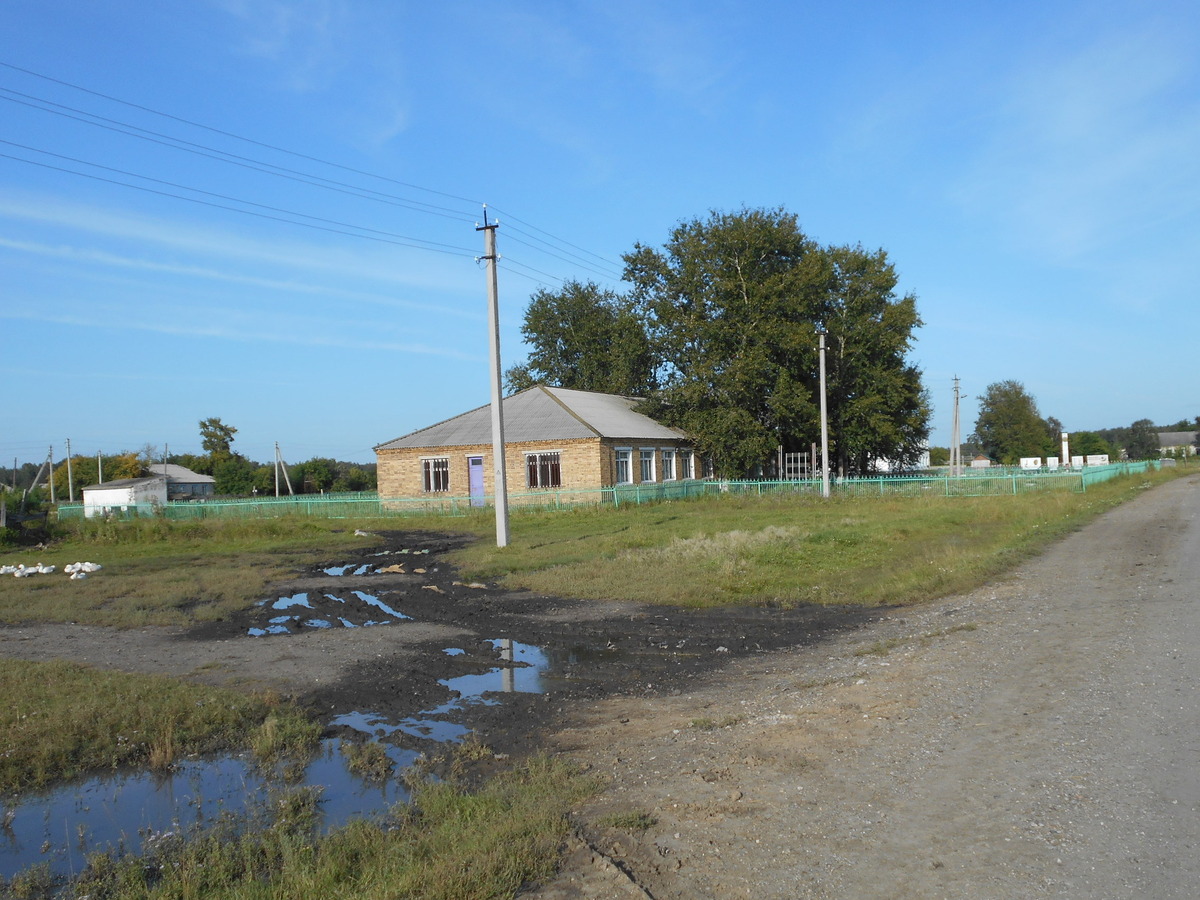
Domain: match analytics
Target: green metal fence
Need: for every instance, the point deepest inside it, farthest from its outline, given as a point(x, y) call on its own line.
point(368, 504)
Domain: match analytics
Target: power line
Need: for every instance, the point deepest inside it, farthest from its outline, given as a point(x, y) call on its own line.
point(247, 212)
point(239, 137)
point(185, 187)
point(513, 218)
point(564, 258)
point(224, 156)
point(607, 267)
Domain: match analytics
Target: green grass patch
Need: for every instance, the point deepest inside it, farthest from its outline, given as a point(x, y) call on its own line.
point(60, 720)
point(452, 844)
point(788, 550)
point(158, 572)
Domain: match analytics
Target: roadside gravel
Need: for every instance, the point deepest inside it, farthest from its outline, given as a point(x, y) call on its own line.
point(1034, 738)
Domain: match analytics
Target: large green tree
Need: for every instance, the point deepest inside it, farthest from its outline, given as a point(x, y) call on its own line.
point(878, 406)
point(216, 439)
point(1088, 443)
point(584, 338)
point(1143, 441)
point(1009, 425)
point(733, 304)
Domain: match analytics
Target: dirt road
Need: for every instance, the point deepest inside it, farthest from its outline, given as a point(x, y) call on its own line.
point(1035, 738)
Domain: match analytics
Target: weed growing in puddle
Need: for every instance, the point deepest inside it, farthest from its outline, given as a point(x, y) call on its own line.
point(368, 760)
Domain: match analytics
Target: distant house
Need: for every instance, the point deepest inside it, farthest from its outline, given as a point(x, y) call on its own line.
point(981, 462)
point(183, 483)
point(1177, 443)
point(128, 495)
point(554, 439)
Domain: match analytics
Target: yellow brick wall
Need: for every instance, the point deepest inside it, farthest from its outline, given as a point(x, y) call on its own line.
point(586, 464)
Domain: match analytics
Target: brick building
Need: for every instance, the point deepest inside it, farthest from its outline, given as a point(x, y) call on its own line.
point(555, 439)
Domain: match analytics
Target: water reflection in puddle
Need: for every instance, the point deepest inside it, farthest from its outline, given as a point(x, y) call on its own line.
point(118, 812)
point(472, 690)
point(352, 569)
point(61, 827)
point(359, 603)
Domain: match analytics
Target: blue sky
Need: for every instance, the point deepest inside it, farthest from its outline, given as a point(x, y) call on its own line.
point(1031, 169)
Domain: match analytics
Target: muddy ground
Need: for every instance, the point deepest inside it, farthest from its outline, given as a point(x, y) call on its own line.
point(1033, 738)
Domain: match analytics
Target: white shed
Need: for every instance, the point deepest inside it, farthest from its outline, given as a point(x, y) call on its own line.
point(142, 496)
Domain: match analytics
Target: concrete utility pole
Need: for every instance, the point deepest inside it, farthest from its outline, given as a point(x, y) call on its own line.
point(50, 463)
point(824, 426)
point(280, 464)
point(70, 477)
point(501, 477)
point(955, 437)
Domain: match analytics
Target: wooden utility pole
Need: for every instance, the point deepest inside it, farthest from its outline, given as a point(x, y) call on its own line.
point(499, 469)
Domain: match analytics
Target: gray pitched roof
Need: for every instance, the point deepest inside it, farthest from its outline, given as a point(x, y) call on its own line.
point(180, 474)
point(1176, 438)
point(124, 483)
point(544, 414)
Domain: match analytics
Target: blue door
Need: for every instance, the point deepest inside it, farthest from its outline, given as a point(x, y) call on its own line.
point(475, 476)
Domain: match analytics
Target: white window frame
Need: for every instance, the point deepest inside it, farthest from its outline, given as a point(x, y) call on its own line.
point(687, 464)
point(542, 459)
point(668, 464)
point(646, 455)
point(623, 458)
point(430, 472)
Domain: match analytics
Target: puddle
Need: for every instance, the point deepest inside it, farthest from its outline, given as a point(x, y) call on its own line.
point(119, 812)
point(438, 724)
point(358, 609)
point(352, 569)
point(300, 599)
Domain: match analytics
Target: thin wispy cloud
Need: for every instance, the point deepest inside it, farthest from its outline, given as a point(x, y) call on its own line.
point(103, 258)
point(232, 325)
point(403, 266)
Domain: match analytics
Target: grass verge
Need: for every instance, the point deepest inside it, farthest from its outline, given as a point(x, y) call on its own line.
point(61, 720)
point(168, 573)
point(788, 550)
point(451, 844)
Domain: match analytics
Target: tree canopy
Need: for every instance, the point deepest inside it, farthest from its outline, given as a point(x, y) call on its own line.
point(216, 439)
point(1009, 426)
point(584, 338)
point(733, 304)
point(719, 331)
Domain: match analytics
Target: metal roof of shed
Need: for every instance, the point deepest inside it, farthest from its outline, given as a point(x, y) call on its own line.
point(544, 414)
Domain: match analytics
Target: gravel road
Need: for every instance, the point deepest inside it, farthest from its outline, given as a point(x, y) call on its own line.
point(1034, 738)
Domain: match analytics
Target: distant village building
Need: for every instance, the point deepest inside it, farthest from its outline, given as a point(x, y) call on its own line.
point(143, 496)
point(1177, 443)
point(554, 439)
point(183, 483)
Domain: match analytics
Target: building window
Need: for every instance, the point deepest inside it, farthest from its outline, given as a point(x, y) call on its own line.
point(668, 464)
point(687, 465)
point(436, 475)
point(543, 470)
point(624, 459)
point(647, 460)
